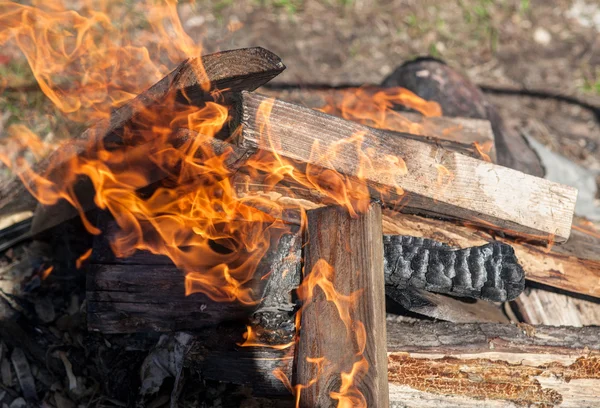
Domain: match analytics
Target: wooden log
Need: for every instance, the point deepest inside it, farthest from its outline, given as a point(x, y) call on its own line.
point(547, 265)
point(462, 130)
point(434, 180)
point(193, 80)
point(146, 292)
point(459, 365)
point(122, 297)
point(573, 266)
point(353, 249)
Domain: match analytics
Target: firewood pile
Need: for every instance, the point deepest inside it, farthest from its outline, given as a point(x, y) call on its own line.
point(412, 259)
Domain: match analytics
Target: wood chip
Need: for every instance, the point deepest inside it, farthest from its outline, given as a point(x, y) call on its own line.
point(24, 376)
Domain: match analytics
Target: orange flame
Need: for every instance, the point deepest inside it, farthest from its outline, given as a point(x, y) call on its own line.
point(46, 272)
point(171, 194)
point(376, 109)
point(83, 258)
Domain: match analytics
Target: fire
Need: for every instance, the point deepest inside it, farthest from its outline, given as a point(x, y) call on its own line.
point(84, 257)
point(167, 187)
point(375, 109)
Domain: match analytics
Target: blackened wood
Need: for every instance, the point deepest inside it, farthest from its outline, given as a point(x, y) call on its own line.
point(193, 80)
point(136, 296)
point(435, 181)
point(353, 248)
point(573, 266)
point(577, 272)
point(491, 272)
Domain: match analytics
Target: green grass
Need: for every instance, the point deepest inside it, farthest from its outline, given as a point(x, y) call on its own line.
point(592, 87)
point(291, 6)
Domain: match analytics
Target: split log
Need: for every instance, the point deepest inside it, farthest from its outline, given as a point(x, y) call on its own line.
point(193, 80)
point(353, 249)
point(435, 181)
point(462, 130)
point(461, 365)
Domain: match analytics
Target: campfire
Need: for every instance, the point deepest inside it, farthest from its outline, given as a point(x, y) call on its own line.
point(269, 234)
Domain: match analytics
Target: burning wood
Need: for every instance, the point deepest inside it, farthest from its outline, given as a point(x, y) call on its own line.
point(193, 81)
point(444, 363)
point(409, 173)
point(122, 295)
point(342, 325)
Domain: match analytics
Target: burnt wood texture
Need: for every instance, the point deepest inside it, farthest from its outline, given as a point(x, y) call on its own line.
point(122, 295)
point(489, 272)
point(353, 248)
point(472, 190)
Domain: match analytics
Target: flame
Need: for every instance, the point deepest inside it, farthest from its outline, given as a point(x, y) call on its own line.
point(166, 185)
point(376, 109)
point(484, 149)
point(85, 256)
point(46, 272)
point(252, 339)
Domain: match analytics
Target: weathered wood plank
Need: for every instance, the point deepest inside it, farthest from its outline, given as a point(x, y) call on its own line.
point(541, 305)
point(434, 181)
point(134, 296)
point(349, 336)
point(334, 101)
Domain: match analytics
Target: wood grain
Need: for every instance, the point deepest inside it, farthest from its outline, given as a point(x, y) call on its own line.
point(468, 189)
point(353, 247)
point(455, 129)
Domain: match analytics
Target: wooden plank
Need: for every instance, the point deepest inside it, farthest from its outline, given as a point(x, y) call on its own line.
point(541, 305)
point(193, 80)
point(136, 296)
point(122, 291)
point(355, 345)
point(459, 365)
point(335, 101)
point(434, 181)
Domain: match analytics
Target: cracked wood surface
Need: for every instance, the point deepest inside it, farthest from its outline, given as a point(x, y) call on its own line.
point(433, 180)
